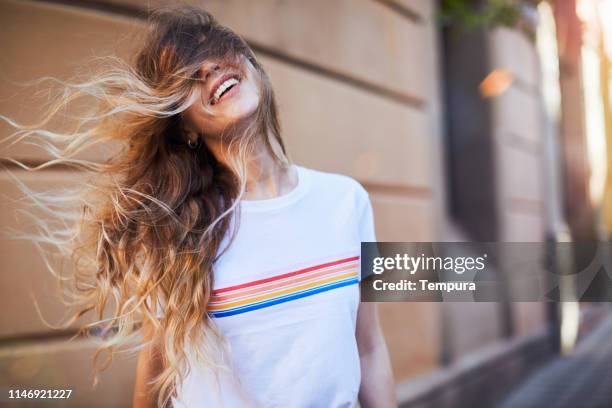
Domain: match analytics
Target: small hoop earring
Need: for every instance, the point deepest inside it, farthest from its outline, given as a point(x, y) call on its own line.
point(193, 143)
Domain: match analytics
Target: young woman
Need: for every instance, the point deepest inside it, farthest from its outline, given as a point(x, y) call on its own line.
point(238, 269)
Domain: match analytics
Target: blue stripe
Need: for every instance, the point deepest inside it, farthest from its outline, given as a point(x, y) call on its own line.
point(283, 299)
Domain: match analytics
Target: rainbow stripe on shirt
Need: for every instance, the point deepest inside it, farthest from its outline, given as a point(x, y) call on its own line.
point(233, 300)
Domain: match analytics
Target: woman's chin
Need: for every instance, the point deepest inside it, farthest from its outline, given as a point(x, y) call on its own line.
point(240, 110)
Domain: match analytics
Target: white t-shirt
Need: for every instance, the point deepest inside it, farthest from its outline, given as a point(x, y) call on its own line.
point(285, 297)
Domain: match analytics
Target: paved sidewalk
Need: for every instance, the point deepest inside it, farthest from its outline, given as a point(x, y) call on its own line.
point(580, 380)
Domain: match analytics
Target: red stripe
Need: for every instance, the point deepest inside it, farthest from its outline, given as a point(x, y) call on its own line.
point(285, 275)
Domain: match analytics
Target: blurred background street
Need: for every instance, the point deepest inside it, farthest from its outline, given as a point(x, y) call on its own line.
point(483, 120)
point(582, 378)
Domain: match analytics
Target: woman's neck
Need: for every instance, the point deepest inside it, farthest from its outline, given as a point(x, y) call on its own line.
point(266, 176)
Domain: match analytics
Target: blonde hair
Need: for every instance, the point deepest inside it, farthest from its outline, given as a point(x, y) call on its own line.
point(151, 219)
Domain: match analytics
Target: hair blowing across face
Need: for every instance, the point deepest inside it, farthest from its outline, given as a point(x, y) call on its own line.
point(148, 223)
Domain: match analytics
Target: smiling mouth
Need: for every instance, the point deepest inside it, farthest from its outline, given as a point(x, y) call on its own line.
point(225, 85)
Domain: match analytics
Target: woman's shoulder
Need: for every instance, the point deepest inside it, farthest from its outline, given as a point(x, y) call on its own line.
point(337, 183)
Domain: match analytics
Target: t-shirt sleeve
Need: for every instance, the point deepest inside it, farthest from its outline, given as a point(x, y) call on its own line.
point(367, 232)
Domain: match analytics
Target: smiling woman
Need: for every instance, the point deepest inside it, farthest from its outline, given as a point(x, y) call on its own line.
point(232, 269)
point(229, 92)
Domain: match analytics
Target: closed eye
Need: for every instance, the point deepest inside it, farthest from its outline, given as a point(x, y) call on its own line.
point(203, 75)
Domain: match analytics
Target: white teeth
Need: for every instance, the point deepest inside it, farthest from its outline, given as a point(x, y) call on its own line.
point(226, 84)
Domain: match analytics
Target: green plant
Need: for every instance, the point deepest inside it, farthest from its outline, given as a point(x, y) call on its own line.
point(472, 15)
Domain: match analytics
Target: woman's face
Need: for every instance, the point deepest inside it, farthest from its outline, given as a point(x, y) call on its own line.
point(226, 94)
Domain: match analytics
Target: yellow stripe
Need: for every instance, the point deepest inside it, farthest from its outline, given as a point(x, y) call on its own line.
point(282, 292)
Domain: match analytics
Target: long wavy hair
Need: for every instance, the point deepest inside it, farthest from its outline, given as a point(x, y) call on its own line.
point(149, 221)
